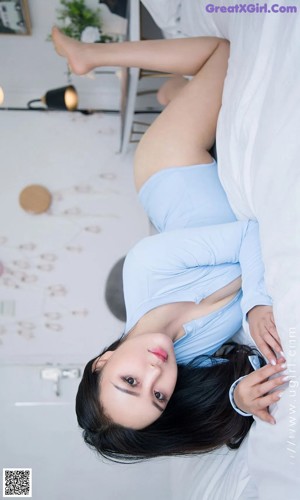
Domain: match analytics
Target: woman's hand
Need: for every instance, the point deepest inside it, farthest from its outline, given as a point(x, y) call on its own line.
point(252, 392)
point(263, 331)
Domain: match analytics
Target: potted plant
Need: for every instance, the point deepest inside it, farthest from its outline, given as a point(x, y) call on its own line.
point(81, 22)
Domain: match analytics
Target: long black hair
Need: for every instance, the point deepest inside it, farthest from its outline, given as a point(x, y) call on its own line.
point(198, 418)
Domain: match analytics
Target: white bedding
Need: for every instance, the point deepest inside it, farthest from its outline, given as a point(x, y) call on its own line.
point(258, 144)
point(258, 137)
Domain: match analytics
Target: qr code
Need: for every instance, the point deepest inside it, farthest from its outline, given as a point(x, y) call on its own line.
point(17, 483)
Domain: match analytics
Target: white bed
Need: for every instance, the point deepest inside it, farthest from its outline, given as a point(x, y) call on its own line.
point(257, 143)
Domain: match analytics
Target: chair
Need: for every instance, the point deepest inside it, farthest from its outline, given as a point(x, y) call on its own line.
point(132, 129)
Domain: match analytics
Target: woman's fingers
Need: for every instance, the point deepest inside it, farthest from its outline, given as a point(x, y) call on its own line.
point(266, 387)
point(266, 371)
point(264, 332)
point(272, 319)
point(265, 416)
point(269, 399)
point(263, 404)
point(252, 394)
point(264, 348)
point(271, 342)
point(268, 345)
point(271, 328)
point(262, 390)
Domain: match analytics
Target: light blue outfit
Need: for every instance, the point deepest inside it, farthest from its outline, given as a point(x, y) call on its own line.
point(200, 249)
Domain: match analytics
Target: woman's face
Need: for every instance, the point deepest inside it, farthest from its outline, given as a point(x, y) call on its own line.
point(138, 379)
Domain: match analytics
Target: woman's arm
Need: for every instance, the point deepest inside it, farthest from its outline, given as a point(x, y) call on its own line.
point(257, 313)
point(230, 243)
point(196, 246)
point(235, 242)
point(250, 258)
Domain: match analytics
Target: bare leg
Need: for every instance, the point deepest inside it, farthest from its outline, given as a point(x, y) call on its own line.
point(185, 131)
point(183, 56)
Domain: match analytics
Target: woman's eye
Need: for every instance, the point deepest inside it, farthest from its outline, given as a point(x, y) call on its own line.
point(130, 380)
point(159, 396)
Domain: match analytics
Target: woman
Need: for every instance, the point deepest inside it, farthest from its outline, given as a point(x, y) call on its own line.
point(146, 395)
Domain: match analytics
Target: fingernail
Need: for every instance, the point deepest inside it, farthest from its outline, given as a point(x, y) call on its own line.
point(286, 378)
point(272, 422)
point(282, 354)
point(280, 394)
point(273, 362)
point(283, 366)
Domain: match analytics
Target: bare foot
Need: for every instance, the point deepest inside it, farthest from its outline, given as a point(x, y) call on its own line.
point(76, 53)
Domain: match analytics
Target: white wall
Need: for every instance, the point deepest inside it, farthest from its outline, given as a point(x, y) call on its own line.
point(30, 65)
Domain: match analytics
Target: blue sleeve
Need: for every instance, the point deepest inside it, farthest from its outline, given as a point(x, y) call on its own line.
point(235, 242)
point(253, 284)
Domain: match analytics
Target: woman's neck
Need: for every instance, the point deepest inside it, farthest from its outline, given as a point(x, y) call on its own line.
point(167, 319)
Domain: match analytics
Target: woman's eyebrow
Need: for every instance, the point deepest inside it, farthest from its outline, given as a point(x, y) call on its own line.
point(136, 395)
point(127, 391)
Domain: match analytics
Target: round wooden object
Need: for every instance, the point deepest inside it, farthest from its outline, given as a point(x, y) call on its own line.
point(35, 199)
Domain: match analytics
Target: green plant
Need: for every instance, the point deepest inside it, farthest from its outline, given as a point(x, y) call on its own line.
point(76, 16)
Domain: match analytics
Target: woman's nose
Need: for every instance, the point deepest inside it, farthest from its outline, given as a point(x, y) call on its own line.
point(154, 371)
point(156, 365)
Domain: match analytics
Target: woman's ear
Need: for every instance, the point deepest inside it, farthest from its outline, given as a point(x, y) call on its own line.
point(101, 360)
